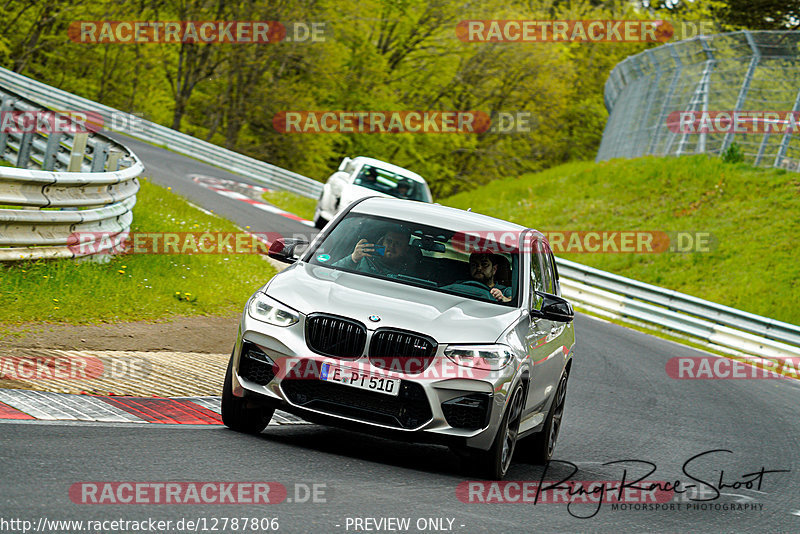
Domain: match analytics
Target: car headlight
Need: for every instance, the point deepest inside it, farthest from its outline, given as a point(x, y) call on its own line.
point(264, 308)
point(488, 357)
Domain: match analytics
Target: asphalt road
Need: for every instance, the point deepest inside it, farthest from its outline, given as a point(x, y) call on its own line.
point(621, 405)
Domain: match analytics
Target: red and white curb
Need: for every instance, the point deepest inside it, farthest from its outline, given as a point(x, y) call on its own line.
point(21, 404)
point(222, 187)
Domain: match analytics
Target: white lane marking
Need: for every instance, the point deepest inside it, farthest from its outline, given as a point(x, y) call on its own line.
point(209, 403)
point(199, 178)
point(47, 406)
point(796, 512)
point(279, 418)
point(60, 406)
point(213, 184)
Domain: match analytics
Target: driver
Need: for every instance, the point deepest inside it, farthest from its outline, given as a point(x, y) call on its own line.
point(397, 257)
point(403, 189)
point(482, 269)
point(369, 177)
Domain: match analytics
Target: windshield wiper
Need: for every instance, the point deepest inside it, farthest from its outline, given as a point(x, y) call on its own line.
point(415, 280)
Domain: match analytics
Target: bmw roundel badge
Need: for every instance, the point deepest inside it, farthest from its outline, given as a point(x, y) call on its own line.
point(374, 318)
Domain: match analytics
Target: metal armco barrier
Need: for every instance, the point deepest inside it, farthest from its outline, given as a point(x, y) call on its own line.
point(260, 171)
point(63, 183)
point(724, 328)
point(743, 71)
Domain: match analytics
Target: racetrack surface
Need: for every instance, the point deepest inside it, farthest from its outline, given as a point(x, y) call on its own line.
point(621, 405)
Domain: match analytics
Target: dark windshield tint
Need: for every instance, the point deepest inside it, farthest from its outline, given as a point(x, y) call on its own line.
point(392, 184)
point(423, 256)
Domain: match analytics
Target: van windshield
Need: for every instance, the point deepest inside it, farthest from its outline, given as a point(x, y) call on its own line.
point(392, 184)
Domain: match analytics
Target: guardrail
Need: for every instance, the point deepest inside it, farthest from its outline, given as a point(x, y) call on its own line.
point(62, 183)
point(721, 327)
point(260, 171)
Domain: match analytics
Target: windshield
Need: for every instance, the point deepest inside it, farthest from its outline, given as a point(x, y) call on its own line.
point(419, 255)
point(392, 184)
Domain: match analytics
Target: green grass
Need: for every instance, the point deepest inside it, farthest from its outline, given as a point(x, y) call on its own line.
point(293, 203)
point(138, 286)
point(753, 214)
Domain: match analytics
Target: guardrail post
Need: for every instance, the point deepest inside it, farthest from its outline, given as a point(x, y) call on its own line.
point(24, 152)
point(99, 157)
point(51, 151)
point(788, 133)
point(700, 95)
point(112, 163)
point(651, 93)
point(6, 106)
point(761, 148)
point(748, 77)
point(78, 150)
point(667, 99)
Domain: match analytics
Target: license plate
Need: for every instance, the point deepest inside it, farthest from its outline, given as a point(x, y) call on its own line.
point(359, 379)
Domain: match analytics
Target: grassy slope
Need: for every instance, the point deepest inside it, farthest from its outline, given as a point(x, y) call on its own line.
point(754, 215)
point(134, 287)
point(291, 202)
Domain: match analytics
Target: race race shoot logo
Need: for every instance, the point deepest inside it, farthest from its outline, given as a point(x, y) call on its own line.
point(391, 122)
point(735, 122)
point(720, 368)
point(573, 493)
point(166, 32)
point(73, 367)
point(49, 122)
point(579, 31)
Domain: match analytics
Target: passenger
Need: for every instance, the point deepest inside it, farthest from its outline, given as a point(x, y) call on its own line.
point(398, 256)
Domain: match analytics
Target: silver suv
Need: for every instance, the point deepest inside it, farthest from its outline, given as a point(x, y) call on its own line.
point(413, 319)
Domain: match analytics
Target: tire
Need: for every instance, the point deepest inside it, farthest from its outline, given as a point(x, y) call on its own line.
point(236, 415)
point(494, 463)
point(319, 222)
point(541, 446)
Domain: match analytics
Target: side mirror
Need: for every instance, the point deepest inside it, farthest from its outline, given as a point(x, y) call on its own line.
point(554, 309)
point(283, 249)
point(344, 163)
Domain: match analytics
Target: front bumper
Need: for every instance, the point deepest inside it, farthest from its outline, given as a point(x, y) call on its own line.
point(444, 404)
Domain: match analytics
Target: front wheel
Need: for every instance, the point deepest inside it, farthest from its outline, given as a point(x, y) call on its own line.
point(236, 414)
point(494, 463)
point(543, 444)
point(319, 220)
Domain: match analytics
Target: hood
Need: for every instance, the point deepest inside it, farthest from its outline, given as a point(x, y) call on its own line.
point(446, 318)
point(354, 192)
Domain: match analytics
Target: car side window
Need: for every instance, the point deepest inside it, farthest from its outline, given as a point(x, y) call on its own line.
point(537, 280)
point(543, 253)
